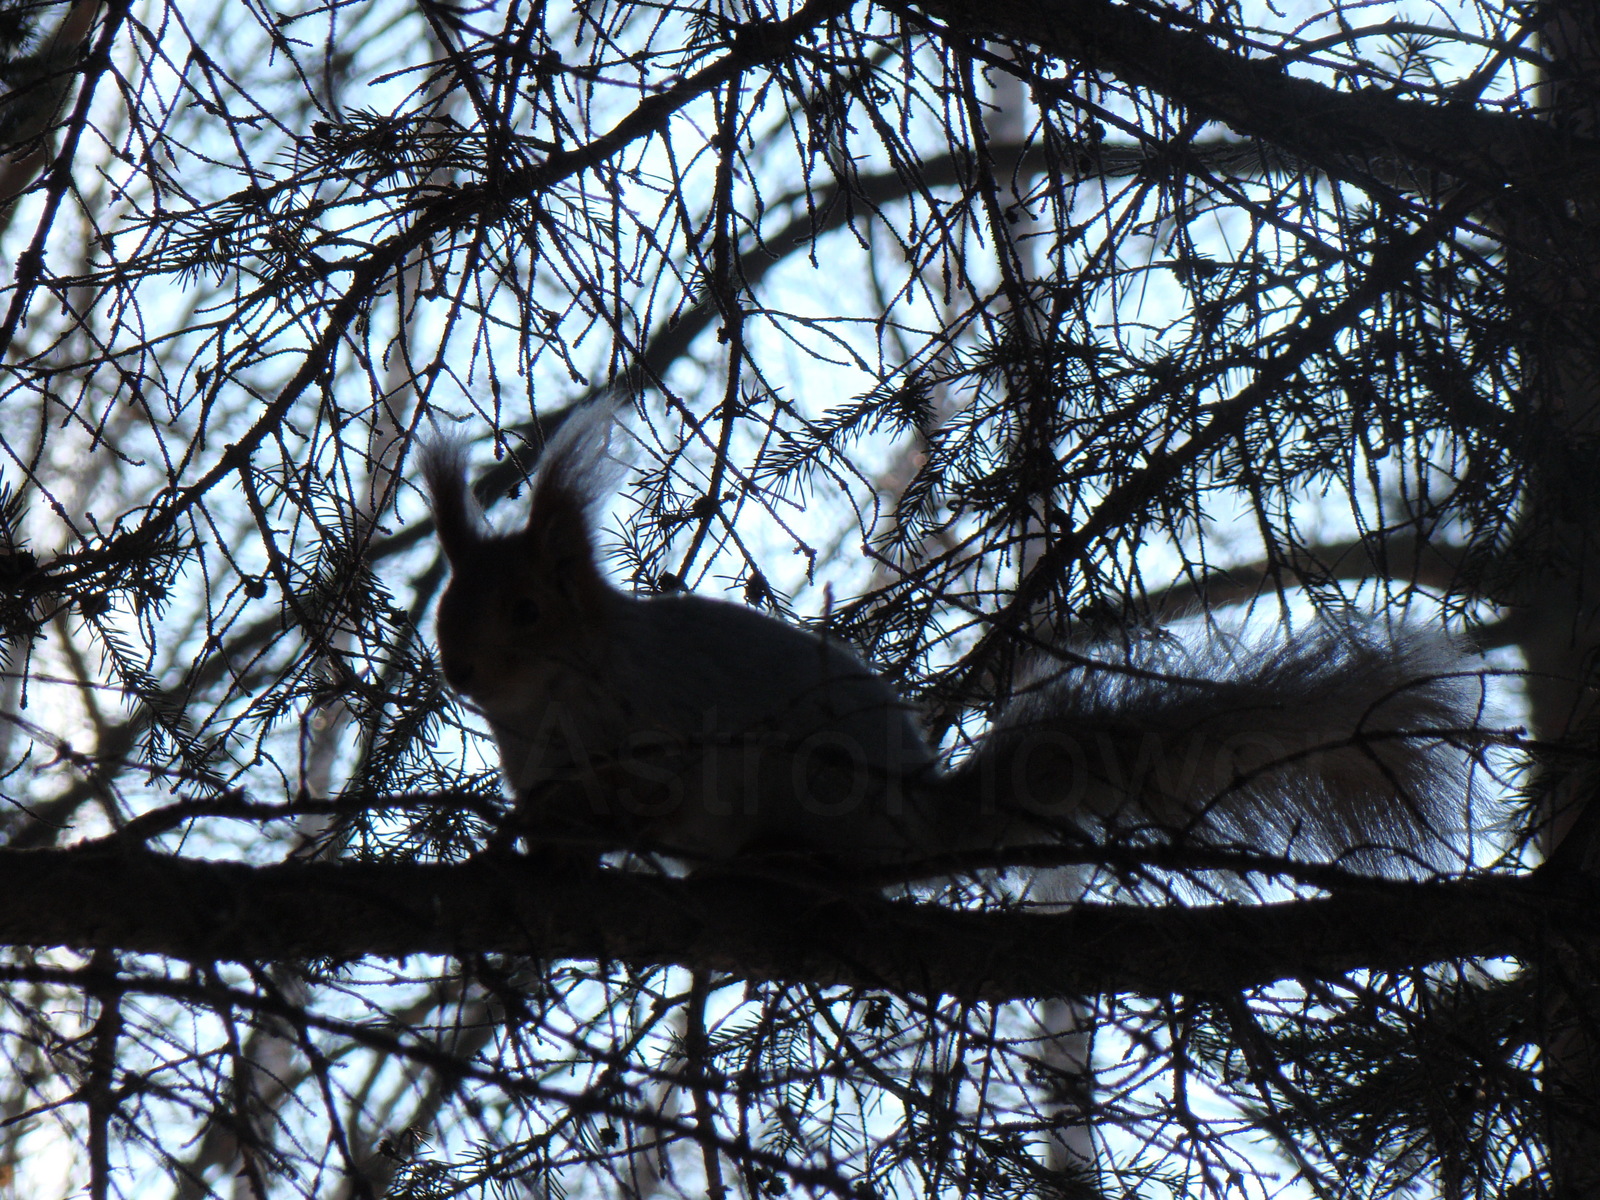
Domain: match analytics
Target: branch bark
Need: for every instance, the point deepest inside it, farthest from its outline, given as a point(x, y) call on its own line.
point(1336, 130)
point(94, 898)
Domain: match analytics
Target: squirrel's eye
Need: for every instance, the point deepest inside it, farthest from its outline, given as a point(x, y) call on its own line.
point(524, 611)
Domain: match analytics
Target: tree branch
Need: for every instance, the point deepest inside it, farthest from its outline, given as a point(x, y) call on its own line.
point(1336, 130)
point(94, 898)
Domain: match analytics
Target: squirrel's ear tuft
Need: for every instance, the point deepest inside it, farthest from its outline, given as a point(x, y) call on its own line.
point(579, 455)
point(577, 472)
point(455, 512)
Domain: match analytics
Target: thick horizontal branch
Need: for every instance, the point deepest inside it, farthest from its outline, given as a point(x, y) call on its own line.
point(199, 911)
point(1256, 96)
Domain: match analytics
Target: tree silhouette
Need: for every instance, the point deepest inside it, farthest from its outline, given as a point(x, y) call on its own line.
point(949, 330)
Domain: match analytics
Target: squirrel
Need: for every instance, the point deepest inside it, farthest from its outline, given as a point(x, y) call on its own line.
point(706, 732)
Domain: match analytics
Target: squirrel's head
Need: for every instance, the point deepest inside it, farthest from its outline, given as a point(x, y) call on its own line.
point(517, 603)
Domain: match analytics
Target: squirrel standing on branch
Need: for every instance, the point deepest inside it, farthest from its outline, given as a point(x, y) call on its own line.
point(709, 732)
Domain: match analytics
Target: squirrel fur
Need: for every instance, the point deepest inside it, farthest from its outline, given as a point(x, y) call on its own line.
point(707, 731)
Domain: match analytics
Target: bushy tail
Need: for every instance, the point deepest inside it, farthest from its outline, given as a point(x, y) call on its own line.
point(1334, 746)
